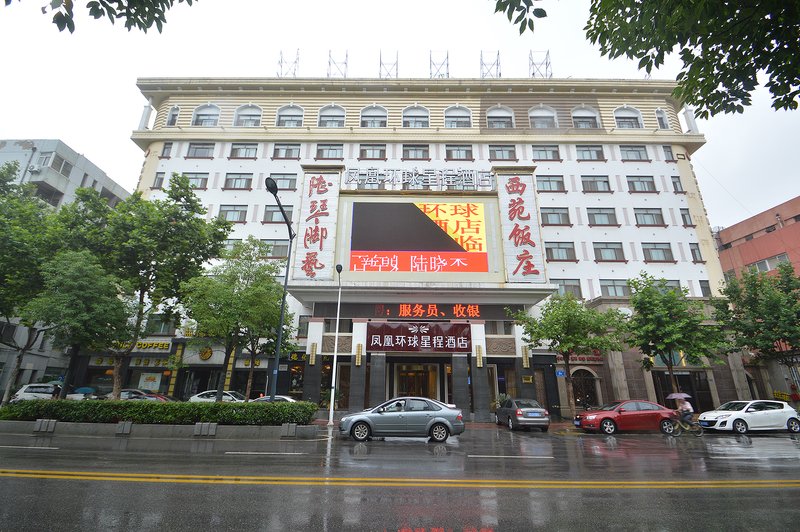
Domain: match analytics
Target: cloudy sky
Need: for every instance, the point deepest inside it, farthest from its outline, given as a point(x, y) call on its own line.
point(81, 87)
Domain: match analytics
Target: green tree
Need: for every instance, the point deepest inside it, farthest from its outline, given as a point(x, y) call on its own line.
point(567, 327)
point(238, 304)
point(668, 325)
point(724, 46)
point(762, 312)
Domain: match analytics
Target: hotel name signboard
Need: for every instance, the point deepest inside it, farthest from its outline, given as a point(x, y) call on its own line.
point(419, 337)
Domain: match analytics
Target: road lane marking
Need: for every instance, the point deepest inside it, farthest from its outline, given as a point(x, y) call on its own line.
point(401, 482)
point(514, 457)
point(28, 447)
point(264, 452)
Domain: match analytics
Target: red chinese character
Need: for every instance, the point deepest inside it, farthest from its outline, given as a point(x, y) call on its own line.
point(516, 209)
point(318, 209)
point(524, 262)
point(404, 311)
point(433, 310)
point(418, 311)
point(473, 311)
point(315, 235)
point(310, 263)
point(521, 236)
point(515, 186)
point(467, 211)
point(459, 311)
point(317, 184)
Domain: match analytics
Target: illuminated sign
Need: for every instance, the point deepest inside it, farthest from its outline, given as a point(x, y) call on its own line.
point(428, 310)
point(421, 337)
point(425, 178)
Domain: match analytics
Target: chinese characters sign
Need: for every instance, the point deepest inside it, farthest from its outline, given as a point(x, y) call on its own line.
point(522, 241)
point(317, 233)
point(419, 337)
point(428, 178)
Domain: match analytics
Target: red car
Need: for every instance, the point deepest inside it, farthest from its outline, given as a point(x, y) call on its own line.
point(626, 415)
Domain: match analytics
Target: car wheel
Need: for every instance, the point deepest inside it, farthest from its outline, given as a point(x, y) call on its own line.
point(510, 423)
point(793, 425)
point(739, 426)
point(545, 429)
point(667, 427)
point(439, 433)
point(497, 420)
point(360, 431)
point(608, 427)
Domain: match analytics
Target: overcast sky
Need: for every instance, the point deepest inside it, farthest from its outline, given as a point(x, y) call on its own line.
point(81, 87)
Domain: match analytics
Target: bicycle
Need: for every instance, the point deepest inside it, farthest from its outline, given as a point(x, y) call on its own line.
point(679, 426)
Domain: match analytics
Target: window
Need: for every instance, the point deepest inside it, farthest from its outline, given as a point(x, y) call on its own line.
point(61, 165)
point(238, 181)
point(542, 117)
point(499, 118)
point(696, 255)
point(569, 286)
point(286, 151)
point(302, 326)
point(289, 116)
point(633, 153)
point(546, 153)
point(672, 284)
point(331, 116)
point(44, 158)
point(416, 151)
point(158, 182)
point(415, 117)
point(373, 116)
point(285, 181)
point(628, 118)
point(272, 214)
point(668, 155)
point(229, 243)
point(200, 150)
point(247, 116)
point(686, 218)
point(641, 183)
point(661, 117)
point(458, 152)
point(372, 151)
point(677, 186)
point(770, 263)
point(502, 153)
point(233, 213)
point(241, 150)
point(330, 151)
point(614, 288)
point(705, 288)
point(7, 332)
point(279, 248)
point(457, 117)
point(159, 324)
point(197, 180)
point(585, 118)
point(608, 252)
point(661, 252)
point(590, 153)
point(345, 325)
point(206, 116)
point(595, 183)
point(166, 150)
point(602, 216)
point(172, 117)
point(560, 251)
point(649, 217)
point(550, 183)
point(555, 216)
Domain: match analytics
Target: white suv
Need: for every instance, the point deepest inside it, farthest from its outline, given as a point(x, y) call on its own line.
point(41, 391)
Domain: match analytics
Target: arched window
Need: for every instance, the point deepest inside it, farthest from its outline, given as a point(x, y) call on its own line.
point(661, 117)
point(543, 117)
point(584, 388)
point(331, 116)
point(373, 116)
point(172, 117)
point(585, 118)
point(628, 118)
point(457, 116)
point(290, 116)
point(416, 116)
point(499, 117)
point(247, 116)
point(206, 116)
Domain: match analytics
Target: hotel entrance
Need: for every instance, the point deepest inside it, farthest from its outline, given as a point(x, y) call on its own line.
point(421, 380)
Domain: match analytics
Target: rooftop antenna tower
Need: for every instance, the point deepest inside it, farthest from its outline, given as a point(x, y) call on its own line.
point(490, 69)
point(440, 65)
point(539, 65)
point(287, 69)
point(388, 69)
point(337, 69)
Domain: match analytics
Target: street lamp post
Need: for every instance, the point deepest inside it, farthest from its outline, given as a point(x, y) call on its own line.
point(335, 343)
point(272, 187)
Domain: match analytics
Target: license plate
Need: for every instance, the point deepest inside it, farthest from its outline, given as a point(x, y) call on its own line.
point(533, 414)
point(706, 423)
point(577, 423)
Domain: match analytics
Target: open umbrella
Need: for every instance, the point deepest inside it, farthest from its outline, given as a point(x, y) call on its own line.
point(679, 395)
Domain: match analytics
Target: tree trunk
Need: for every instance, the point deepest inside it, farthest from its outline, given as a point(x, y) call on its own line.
point(230, 345)
point(568, 385)
point(673, 380)
point(68, 375)
point(117, 377)
point(250, 375)
point(12, 379)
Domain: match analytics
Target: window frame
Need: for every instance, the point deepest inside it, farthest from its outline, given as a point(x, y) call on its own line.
point(289, 120)
point(364, 149)
point(199, 118)
point(449, 150)
point(559, 179)
point(329, 151)
point(274, 213)
point(499, 114)
point(412, 119)
point(601, 248)
point(201, 177)
point(381, 116)
point(618, 285)
point(626, 150)
point(281, 178)
point(643, 215)
point(592, 149)
point(564, 247)
point(243, 119)
point(289, 148)
point(546, 148)
point(245, 177)
point(561, 214)
point(663, 247)
point(196, 148)
point(612, 216)
point(246, 147)
point(569, 286)
point(461, 120)
point(641, 179)
point(592, 181)
point(542, 117)
point(409, 147)
point(231, 208)
point(326, 114)
point(510, 149)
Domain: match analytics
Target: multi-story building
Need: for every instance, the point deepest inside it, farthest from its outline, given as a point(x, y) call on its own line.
point(447, 202)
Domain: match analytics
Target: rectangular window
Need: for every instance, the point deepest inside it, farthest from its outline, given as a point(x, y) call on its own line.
point(569, 286)
point(608, 252)
point(457, 121)
point(285, 181)
point(546, 153)
point(499, 327)
point(499, 122)
point(543, 122)
point(614, 288)
point(555, 216)
point(159, 324)
point(166, 150)
point(585, 122)
point(602, 216)
point(550, 183)
point(633, 153)
point(705, 288)
point(590, 153)
point(239, 181)
point(628, 122)
point(205, 119)
point(229, 243)
point(649, 217)
point(331, 121)
point(770, 263)
point(272, 214)
point(172, 118)
point(662, 120)
point(61, 166)
point(416, 151)
point(668, 155)
point(686, 218)
point(458, 152)
point(595, 183)
point(661, 252)
point(641, 183)
point(677, 186)
point(286, 119)
point(330, 151)
point(373, 122)
point(279, 248)
point(243, 150)
point(233, 213)
point(372, 151)
point(696, 255)
point(286, 151)
point(302, 324)
point(502, 153)
point(560, 251)
point(197, 180)
point(253, 119)
point(44, 158)
point(200, 150)
point(158, 182)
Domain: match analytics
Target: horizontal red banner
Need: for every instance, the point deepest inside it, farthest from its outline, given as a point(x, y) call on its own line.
point(418, 261)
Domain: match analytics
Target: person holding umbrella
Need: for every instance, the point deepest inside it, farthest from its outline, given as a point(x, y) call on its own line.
point(685, 408)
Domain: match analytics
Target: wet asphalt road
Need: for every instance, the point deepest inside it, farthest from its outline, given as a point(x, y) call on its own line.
point(488, 479)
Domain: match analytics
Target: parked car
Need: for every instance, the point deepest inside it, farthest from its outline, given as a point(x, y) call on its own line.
point(626, 415)
point(278, 399)
point(741, 416)
point(210, 396)
point(160, 397)
point(405, 416)
point(128, 393)
point(522, 413)
point(41, 391)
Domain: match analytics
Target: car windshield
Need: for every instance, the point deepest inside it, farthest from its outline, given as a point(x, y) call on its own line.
point(609, 406)
point(733, 406)
point(237, 395)
point(527, 403)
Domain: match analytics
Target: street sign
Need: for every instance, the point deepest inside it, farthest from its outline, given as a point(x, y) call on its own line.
point(560, 373)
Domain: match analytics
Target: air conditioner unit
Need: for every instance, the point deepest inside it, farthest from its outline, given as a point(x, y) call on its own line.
point(34, 168)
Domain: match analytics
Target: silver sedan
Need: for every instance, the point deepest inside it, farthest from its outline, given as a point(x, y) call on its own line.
point(405, 416)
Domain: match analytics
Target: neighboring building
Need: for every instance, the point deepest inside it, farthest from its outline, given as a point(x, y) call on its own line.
point(447, 201)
